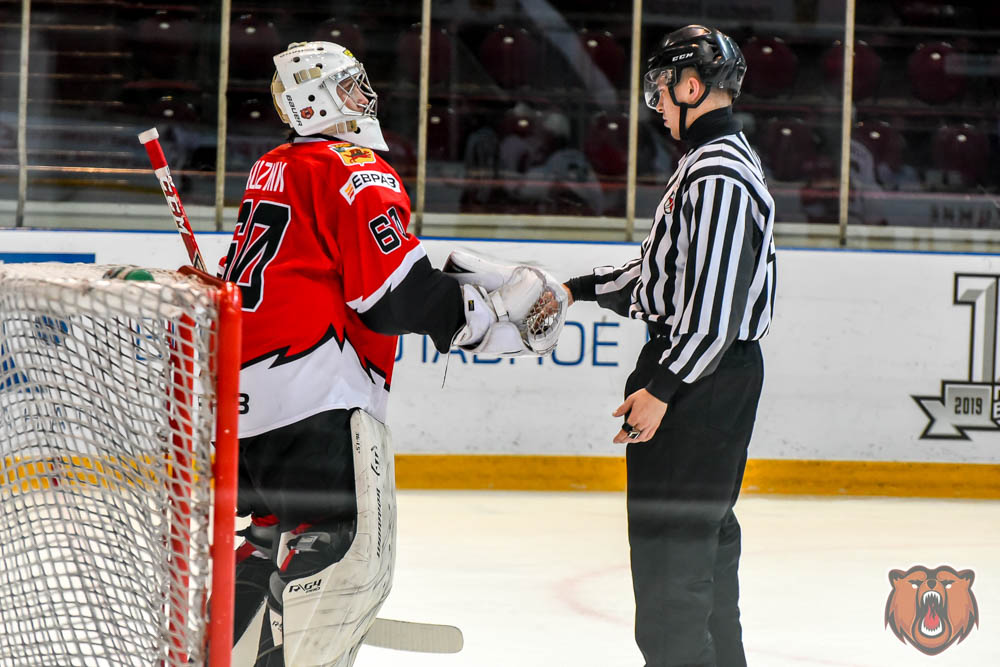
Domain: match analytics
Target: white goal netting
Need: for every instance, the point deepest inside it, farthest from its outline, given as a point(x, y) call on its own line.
point(106, 429)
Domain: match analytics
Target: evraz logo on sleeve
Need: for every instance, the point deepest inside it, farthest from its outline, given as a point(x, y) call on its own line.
point(359, 180)
point(974, 403)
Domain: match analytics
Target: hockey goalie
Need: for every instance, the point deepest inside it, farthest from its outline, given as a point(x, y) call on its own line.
point(329, 277)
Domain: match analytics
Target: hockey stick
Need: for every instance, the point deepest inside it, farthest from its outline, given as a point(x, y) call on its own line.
point(417, 637)
point(150, 139)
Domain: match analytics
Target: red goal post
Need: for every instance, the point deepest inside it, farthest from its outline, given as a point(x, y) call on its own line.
point(118, 465)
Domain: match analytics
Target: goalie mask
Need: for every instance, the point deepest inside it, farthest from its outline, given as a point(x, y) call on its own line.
point(321, 88)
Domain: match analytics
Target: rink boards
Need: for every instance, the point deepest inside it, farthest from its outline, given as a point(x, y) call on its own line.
point(880, 379)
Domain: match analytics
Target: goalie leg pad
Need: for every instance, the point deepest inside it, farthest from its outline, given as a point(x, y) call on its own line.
point(326, 611)
point(252, 576)
point(254, 567)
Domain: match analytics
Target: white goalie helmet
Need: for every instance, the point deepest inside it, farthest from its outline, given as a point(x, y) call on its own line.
point(321, 88)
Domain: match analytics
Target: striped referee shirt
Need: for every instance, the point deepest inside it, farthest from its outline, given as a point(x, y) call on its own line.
point(705, 275)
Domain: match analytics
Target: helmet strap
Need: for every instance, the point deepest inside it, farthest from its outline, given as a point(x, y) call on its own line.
point(682, 129)
point(342, 127)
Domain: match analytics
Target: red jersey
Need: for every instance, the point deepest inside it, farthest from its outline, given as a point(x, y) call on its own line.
point(320, 238)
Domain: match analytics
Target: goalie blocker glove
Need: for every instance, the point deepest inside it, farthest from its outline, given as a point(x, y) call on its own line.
point(509, 310)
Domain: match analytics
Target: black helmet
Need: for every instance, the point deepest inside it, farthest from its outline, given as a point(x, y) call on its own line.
point(717, 59)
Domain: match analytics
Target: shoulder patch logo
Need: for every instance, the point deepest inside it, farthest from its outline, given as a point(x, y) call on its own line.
point(359, 180)
point(669, 197)
point(931, 609)
point(352, 155)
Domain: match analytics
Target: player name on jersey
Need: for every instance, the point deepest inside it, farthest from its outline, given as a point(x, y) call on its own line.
point(267, 176)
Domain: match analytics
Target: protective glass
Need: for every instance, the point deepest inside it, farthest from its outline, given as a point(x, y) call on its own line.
point(651, 82)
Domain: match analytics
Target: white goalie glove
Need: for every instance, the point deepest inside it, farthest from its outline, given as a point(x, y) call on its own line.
point(509, 310)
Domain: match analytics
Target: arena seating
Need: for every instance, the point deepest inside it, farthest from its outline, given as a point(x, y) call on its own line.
point(442, 55)
point(606, 144)
point(934, 73)
point(512, 56)
point(961, 150)
point(883, 140)
point(607, 53)
point(253, 40)
point(771, 66)
point(343, 32)
point(789, 147)
point(867, 69)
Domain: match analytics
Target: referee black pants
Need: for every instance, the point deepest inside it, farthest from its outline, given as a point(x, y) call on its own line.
point(684, 536)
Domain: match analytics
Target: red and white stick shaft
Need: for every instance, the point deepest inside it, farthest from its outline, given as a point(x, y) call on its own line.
point(151, 140)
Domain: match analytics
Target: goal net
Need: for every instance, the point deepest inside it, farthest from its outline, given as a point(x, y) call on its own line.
point(118, 401)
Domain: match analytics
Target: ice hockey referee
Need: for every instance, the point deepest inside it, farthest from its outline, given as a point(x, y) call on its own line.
point(704, 283)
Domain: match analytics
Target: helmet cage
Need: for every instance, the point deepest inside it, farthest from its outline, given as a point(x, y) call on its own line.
point(343, 87)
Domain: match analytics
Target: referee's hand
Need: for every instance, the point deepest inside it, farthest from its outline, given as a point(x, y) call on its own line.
point(569, 294)
point(645, 412)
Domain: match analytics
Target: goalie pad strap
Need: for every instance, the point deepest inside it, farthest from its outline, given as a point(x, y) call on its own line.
point(479, 316)
point(498, 306)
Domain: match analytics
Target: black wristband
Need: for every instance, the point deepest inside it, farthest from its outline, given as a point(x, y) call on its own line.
point(583, 288)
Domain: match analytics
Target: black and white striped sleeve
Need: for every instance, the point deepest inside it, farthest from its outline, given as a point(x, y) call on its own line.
point(612, 287)
point(710, 300)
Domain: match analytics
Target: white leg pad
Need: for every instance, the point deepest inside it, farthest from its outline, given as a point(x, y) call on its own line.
point(245, 651)
point(327, 615)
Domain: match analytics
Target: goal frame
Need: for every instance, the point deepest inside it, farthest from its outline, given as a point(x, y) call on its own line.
point(225, 471)
point(172, 457)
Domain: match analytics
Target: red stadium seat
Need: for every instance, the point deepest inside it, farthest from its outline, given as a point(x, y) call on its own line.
point(253, 41)
point(771, 66)
point(961, 150)
point(606, 145)
point(512, 56)
point(401, 155)
point(934, 73)
point(789, 148)
point(442, 54)
point(607, 54)
point(342, 32)
point(174, 108)
point(883, 141)
point(250, 110)
point(867, 69)
point(162, 45)
point(176, 100)
point(444, 134)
